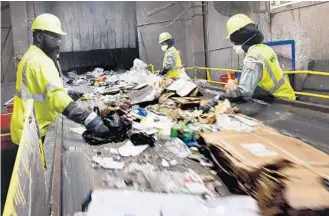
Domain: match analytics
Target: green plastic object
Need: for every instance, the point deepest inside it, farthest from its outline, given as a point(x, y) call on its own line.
point(183, 132)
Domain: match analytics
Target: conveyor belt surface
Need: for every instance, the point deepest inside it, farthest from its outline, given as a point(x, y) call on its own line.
point(78, 175)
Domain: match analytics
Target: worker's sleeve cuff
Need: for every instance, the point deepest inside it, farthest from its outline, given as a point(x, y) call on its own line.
point(91, 117)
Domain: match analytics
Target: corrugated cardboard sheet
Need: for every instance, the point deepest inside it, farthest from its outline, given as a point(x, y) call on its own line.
point(284, 174)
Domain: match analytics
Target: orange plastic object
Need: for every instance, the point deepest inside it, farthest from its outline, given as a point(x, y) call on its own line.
point(226, 77)
point(10, 107)
point(5, 132)
point(101, 79)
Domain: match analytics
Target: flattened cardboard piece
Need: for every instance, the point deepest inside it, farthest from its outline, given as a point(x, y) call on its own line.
point(182, 87)
point(208, 118)
point(270, 148)
point(166, 95)
point(195, 92)
point(187, 100)
point(283, 173)
point(293, 187)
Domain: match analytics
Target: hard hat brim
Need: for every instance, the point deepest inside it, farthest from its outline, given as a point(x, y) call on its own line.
point(62, 33)
point(56, 32)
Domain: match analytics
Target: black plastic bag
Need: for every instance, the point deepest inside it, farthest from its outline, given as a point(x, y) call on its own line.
point(142, 139)
point(119, 126)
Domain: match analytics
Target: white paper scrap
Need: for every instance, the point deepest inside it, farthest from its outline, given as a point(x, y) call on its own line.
point(258, 149)
point(128, 149)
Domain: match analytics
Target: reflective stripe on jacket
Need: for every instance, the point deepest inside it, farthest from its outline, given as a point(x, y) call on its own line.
point(273, 79)
point(173, 62)
point(37, 79)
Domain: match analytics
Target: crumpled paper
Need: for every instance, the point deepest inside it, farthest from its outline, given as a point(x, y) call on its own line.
point(129, 149)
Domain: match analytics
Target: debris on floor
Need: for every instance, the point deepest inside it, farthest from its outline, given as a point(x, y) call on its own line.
point(108, 162)
point(176, 146)
point(165, 163)
point(129, 149)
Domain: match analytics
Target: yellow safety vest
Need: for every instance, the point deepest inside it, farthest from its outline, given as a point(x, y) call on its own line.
point(176, 71)
point(37, 79)
point(273, 79)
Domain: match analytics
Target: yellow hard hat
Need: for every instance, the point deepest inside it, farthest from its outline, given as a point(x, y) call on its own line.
point(164, 36)
point(237, 22)
point(48, 22)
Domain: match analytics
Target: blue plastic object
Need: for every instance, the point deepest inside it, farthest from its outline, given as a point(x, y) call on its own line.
point(141, 112)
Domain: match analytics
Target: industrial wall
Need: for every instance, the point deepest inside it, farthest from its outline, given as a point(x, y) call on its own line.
point(7, 47)
point(183, 20)
point(306, 23)
point(8, 73)
point(219, 51)
point(89, 26)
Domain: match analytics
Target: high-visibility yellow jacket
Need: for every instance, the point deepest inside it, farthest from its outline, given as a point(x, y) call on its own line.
point(173, 61)
point(273, 79)
point(37, 79)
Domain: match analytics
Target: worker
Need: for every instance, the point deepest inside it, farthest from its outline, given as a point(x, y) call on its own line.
point(172, 63)
point(38, 79)
point(260, 66)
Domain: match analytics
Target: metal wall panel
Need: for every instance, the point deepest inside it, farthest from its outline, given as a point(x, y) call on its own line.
point(91, 25)
point(7, 47)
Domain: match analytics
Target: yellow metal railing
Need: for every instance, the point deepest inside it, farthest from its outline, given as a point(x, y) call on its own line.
point(228, 70)
point(152, 67)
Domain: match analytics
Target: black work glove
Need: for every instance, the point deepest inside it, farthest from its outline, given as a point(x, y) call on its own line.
point(163, 71)
point(91, 120)
point(74, 94)
point(95, 124)
point(212, 103)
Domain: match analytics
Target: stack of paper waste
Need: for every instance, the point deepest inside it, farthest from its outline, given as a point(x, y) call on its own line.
point(285, 175)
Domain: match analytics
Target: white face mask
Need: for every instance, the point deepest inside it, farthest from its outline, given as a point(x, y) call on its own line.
point(164, 48)
point(238, 49)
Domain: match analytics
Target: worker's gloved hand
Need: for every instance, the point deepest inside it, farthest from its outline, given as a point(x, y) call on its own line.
point(163, 71)
point(74, 94)
point(231, 85)
point(205, 108)
point(95, 124)
point(220, 96)
point(212, 103)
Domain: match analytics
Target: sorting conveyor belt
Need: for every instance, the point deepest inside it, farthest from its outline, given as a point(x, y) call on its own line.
point(78, 176)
